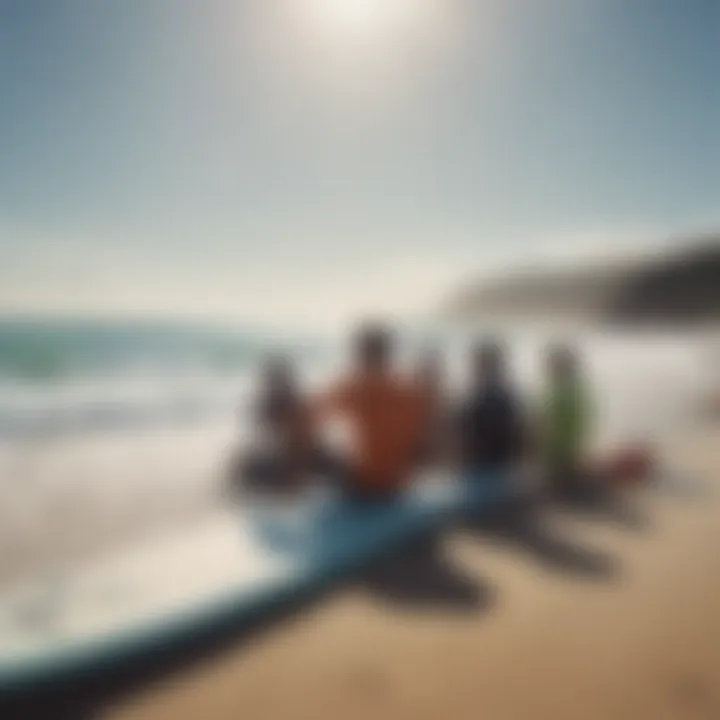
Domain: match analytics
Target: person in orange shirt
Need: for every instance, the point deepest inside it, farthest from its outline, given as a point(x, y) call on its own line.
point(385, 414)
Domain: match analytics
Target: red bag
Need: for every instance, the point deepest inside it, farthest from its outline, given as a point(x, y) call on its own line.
point(631, 465)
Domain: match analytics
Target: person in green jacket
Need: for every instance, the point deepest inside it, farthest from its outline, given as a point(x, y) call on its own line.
point(567, 419)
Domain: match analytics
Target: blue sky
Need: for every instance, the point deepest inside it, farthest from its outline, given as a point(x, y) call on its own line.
point(289, 163)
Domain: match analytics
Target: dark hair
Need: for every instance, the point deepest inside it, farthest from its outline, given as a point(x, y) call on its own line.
point(563, 355)
point(373, 343)
point(488, 358)
point(489, 351)
point(276, 366)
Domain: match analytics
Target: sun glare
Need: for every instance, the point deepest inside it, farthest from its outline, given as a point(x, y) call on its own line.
point(362, 17)
point(357, 48)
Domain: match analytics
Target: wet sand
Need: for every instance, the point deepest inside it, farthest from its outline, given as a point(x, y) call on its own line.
point(588, 614)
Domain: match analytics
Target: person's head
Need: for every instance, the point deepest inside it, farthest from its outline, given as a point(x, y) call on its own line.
point(488, 362)
point(563, 361)
point(277, 375)
point(373, 346)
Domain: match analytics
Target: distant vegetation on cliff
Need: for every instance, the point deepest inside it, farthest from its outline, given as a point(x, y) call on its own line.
point(680, 287)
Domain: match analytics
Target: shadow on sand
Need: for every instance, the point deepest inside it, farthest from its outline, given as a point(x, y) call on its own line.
point(420, 577)
point(524, 527)
point(685, 488)
point(595, 501)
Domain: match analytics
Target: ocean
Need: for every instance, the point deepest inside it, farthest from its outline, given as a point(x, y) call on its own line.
point(64, 377)
point(111, 432)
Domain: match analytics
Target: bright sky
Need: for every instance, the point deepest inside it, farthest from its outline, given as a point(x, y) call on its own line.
point(300, 161)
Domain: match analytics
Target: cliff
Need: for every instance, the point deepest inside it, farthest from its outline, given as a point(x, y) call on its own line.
point(683, 286)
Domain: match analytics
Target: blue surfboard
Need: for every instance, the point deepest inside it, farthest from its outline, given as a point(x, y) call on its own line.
point(226, 570)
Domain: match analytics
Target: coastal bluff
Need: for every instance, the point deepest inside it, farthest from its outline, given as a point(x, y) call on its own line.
point(678, 287)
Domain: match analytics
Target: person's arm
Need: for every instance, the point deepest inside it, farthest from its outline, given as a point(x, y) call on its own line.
point(537, 427)
point(302, 445)
point(332, 402)
point(518, 427)
point(586, 419)
point(455, 437)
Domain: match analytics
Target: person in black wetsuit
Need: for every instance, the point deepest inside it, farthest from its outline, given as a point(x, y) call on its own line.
point(491, 427)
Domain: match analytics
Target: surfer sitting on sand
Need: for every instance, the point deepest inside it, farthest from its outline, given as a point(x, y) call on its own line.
point(491, 427)
point(385, 415)
point(284, 452)
point(565, 421)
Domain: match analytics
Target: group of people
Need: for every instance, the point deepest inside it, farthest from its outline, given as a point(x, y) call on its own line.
point(400, 423)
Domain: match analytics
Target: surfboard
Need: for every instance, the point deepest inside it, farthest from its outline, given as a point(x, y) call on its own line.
point(237, 563)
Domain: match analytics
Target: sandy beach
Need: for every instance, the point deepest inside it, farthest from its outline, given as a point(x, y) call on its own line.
point(587, 614)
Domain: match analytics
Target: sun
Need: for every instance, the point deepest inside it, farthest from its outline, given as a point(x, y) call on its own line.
point(357, 48)
point(362, 18)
